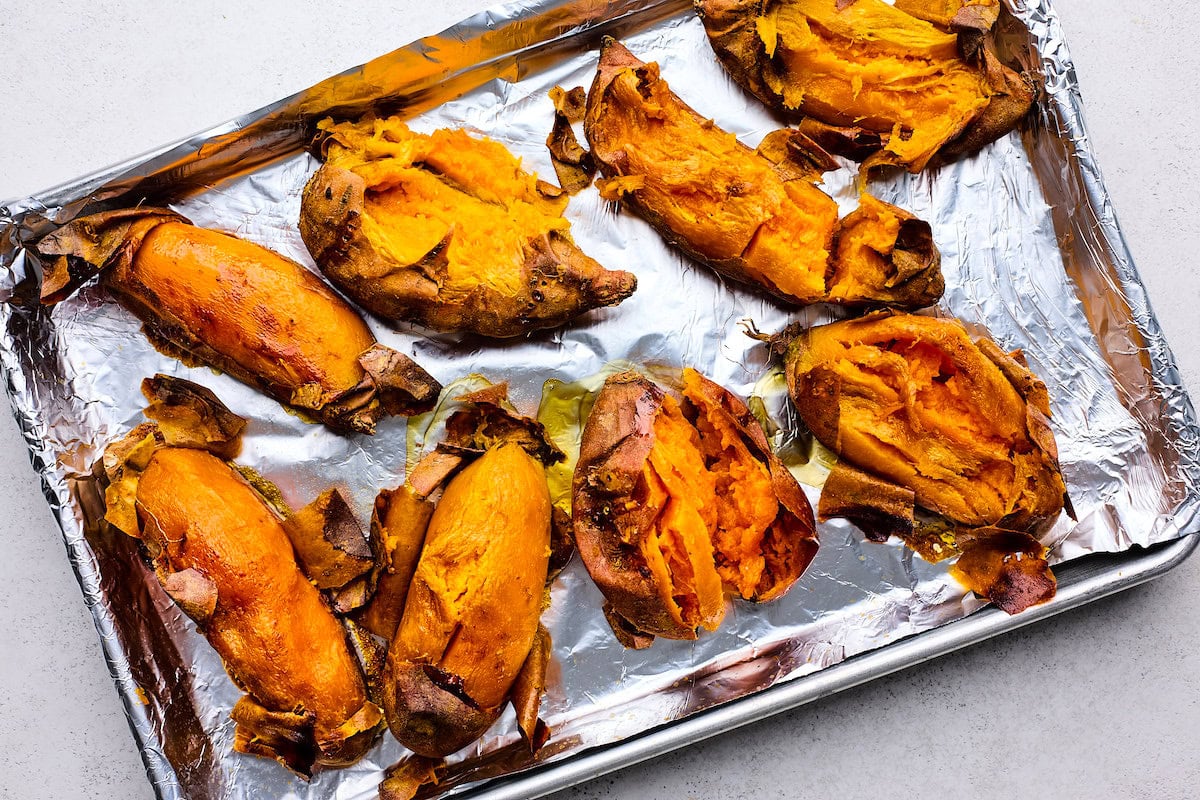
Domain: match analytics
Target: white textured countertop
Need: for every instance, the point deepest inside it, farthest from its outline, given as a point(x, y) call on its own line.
point(1099, 702)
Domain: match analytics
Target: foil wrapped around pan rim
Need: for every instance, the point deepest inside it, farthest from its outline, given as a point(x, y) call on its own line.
point(1032, 253)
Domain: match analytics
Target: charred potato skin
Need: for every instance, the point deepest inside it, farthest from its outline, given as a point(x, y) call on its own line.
point(471, 615)
point(561, 281)
point(278, 639)
point(616, 443)
point(387, 382)
point(816, 395)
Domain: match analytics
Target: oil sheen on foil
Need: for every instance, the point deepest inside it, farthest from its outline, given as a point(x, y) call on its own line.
point(1031, 253)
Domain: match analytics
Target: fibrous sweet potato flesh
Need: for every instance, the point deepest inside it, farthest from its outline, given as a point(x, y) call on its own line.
point(754, 217)
point(871, 65)
point(447, 230)
point(471, 612)
point(763, 536)
point(200, 519)
point(680, 503)
point(239, 307)
point(674, 504)
point(915, 401)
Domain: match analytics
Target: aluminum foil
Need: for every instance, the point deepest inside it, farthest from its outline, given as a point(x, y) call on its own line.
point(1031, 252)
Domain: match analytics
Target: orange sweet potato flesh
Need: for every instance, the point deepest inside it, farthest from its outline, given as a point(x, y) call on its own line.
point(447, 230)
point(674, 504)
point(914, 401)
point(764, 535)
point(202, 520)
point(399, 523)
point(681, 502)
point(472, 610)
point(871, 65)
point(750, 216)
point(239, 307)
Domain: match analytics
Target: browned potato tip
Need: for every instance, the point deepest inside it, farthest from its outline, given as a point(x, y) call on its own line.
point(921, 78)
point(922, 416)
point(754, 217)
point(222, 553)
point(446, 230)
point(673, 503)
point(215, 299)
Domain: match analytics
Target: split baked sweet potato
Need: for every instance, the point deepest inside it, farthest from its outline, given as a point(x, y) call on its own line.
point(874, 80)
point(447, 230)
point(755, 217)
point(922, 416)
point(464, 580)
point(222, 553)
point(209, 297)
point(674, 503)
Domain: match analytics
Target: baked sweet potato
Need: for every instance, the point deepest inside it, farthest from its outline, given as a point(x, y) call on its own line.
point(922, 416)
point(462, 581)
point(923, 91)
point(673, 503)
point(471, 614)
point(755, 217)
point(447, 230)
point(206, 296)
point(221, 552)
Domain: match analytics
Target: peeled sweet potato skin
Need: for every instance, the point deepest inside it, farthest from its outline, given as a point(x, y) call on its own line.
point(751, 216)
point(277, 638)
point(206, 296)
point(550, 281)
point(914, 401)
point(1009, 568)
point(885, 256)
point(909, 107)
point(472, 610)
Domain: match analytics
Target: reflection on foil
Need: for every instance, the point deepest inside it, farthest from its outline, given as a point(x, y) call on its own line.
point(1031, 252)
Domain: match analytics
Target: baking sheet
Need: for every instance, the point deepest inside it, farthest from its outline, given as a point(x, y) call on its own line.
point(1030, 249)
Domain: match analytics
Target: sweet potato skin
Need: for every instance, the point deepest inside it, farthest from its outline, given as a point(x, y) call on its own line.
point(555, 281)
point(961, 421)
point(241, 308)
point(471, 612)
point(752, 217)
point(269, 624)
